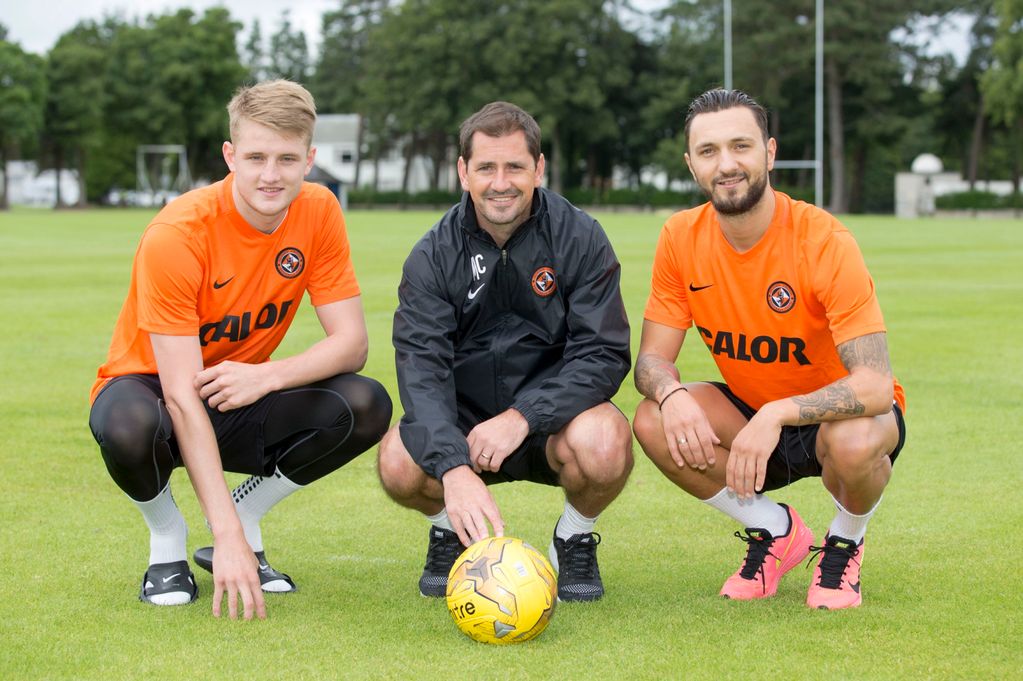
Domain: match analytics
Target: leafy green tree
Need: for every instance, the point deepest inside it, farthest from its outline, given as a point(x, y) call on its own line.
point(22, 97)
point(431, 63)
point(339, 80)
point(254, 54)
point(289, 52)
point(74, 104)
point(418, 81)
point(1002, 85)
point(958, 100)
point(341, 67)
point(168, 83)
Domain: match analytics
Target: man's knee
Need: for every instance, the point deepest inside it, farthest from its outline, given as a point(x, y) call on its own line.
point(854, 446)
point(599, 446)
point(401, 477)
point(647, 425)
point(371, 408)
point(129, 430)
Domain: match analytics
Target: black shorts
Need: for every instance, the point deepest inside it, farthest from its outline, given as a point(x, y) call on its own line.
point(795, 457)
point(239, 432)
point(527, 462)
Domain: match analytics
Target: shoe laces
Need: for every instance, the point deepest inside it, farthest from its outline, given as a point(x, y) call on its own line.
point(834, 562)
point(444, 549)
point(758, 548)
point(577, 558)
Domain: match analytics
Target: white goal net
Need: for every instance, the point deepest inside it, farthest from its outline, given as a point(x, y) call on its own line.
point(161, 173)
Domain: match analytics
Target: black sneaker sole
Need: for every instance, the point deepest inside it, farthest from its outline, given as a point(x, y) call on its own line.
point(580, 598)
point(433, 592)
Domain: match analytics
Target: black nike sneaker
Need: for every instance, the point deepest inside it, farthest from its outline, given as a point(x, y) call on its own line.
point(575, 559)
point(168, 584)
point(444, 549)
point(270, 580)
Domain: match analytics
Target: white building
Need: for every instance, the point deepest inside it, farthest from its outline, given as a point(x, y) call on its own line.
point(916, 191)
point(26, 186)
point(336, 139)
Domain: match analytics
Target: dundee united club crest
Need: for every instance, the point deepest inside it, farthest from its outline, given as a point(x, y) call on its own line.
point(289, 263)
point(781, 297)
point(544, 282)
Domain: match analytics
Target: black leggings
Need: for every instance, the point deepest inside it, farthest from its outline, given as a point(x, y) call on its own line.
point(307, 432)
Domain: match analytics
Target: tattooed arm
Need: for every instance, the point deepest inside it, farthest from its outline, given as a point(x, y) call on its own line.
point(868, 390)
point(655, 373)
point(688, 435)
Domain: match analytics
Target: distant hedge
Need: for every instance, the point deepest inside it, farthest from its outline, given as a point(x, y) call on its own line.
point(978, 200)
point(643, 197)
point(427, 198)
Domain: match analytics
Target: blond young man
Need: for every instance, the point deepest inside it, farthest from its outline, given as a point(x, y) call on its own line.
point(217, 278)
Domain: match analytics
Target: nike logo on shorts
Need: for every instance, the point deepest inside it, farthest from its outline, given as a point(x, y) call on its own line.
point(472, 294)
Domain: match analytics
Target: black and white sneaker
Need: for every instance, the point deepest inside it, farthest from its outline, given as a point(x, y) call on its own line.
point(270, 580)
point(444, 549)
point(575, 560)
point(168, 584)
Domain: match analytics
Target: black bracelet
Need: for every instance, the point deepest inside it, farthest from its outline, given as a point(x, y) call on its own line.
point(665, 398)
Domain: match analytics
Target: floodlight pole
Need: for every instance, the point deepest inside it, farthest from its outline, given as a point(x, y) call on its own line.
point(728, 44)
point(818, 173)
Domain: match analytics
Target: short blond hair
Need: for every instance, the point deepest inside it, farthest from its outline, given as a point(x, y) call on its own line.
point(281, 105)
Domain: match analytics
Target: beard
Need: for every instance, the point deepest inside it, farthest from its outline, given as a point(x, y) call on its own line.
point(508, 216)
point(737, 205)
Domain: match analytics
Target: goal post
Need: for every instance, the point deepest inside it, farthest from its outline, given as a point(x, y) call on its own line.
point(161, 172)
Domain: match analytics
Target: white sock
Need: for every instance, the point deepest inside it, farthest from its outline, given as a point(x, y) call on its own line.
point(849, 525)
point(167, 529)
point(441, 520)
point(257, 495)
point(760, 511)
point(573, 522)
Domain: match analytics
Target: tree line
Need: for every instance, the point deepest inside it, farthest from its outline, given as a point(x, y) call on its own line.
point(609, 85)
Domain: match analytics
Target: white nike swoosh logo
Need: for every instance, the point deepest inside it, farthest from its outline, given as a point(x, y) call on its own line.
point(472, 294)
point(167, 579)
point(264, 567)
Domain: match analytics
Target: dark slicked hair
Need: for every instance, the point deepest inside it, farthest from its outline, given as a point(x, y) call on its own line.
point(720, 100)
point(498, 119)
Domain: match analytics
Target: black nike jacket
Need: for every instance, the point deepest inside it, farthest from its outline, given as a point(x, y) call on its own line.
point(538, 325)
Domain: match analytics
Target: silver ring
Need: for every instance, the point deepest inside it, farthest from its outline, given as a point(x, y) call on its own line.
point(484, 456)
point(681, 440)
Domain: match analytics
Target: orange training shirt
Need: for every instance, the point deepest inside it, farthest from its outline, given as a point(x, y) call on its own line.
point(772, 316)
point(201, 270)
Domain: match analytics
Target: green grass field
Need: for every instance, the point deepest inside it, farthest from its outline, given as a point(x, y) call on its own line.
point(941, 577)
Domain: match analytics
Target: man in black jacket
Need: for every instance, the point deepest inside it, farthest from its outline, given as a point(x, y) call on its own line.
point(510, 339)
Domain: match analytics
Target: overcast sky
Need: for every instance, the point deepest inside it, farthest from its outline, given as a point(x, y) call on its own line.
point(36, 24)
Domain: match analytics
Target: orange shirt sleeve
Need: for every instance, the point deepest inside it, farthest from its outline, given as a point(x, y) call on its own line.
point(846, 290)
point(668, 303)
point(333, 276)
point(169, 274)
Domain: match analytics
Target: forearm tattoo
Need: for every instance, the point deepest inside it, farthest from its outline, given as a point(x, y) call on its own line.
point(653, 373)
point(836, 399)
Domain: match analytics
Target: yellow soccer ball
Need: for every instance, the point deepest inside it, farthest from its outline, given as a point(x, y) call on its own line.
point(501, 590)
